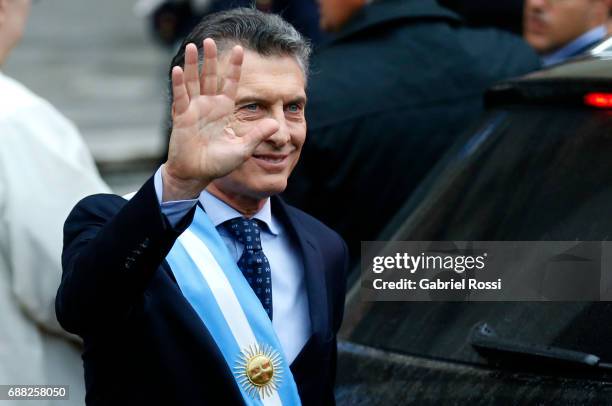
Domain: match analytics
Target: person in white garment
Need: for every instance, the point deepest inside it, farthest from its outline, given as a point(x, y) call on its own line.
point(45, 168)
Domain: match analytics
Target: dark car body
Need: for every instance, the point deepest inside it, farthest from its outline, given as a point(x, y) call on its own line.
point(538, 167)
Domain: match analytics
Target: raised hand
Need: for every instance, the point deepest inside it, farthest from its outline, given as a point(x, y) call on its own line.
point(203, 145)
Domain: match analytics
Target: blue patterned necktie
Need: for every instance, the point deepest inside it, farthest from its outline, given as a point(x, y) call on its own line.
point(253, 262)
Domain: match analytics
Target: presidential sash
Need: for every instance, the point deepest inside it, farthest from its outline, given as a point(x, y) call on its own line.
point(214, 286)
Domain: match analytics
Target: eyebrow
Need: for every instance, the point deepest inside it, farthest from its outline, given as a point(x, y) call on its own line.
point(260, 100)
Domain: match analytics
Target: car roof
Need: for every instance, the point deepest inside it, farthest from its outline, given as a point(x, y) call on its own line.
point(564, 83)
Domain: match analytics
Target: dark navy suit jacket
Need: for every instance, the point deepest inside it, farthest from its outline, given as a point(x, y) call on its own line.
point(143, 343)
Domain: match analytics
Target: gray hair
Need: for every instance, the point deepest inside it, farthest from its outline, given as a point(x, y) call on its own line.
point(266, 34)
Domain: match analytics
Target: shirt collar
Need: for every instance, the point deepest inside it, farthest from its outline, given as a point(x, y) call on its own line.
point(576, 46)
point(219, 212)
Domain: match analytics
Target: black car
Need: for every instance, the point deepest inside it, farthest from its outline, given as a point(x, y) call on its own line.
point(538, 167)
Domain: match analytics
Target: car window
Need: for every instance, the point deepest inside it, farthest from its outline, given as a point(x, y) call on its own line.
point(527, 173)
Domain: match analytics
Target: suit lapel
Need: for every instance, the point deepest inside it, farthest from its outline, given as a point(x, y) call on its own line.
point(170, 300)
point(314, 275)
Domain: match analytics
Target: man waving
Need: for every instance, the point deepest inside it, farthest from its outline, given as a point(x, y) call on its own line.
point(205, 286)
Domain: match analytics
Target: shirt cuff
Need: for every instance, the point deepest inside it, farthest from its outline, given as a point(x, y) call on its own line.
point(175, 210)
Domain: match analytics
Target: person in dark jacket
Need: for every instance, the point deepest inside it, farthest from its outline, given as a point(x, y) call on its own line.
point(504, 14)
point(171, 20)
point(388, 95)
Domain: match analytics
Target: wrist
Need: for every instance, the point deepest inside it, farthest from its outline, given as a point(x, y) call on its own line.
point(177, 188)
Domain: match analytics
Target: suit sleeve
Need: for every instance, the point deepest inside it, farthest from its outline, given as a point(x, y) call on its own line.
point(344, 267)
point(341, 274)
point(111, 250)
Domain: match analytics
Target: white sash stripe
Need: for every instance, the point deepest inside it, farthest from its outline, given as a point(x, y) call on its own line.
point(225, 296)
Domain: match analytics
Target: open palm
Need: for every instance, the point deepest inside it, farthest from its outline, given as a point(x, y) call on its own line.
point(203, 145)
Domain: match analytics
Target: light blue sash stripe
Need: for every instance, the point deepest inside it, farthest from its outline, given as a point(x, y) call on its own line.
point(255, 313)
point(198, 293)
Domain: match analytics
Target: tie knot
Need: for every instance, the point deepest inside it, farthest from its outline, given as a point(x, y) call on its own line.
point(246, 231)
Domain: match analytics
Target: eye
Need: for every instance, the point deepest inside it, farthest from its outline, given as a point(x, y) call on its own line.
point(252, 108)
point(294, 108)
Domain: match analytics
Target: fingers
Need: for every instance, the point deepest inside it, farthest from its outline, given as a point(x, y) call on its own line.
point(230, 86)
point(180, 99)
point(264, 130)
point(188, 84)
point(208, 80)
point(192, 79)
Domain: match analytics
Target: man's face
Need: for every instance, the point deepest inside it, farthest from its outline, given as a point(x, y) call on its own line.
point(335, 13)
point(269, 87)
point(551, 24)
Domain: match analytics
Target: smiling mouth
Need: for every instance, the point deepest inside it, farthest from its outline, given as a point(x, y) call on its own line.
point(273, 159)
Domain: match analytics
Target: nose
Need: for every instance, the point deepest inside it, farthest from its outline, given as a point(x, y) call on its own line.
point(283, 135)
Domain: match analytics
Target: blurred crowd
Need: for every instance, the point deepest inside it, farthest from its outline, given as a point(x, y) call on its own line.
point(392, 84)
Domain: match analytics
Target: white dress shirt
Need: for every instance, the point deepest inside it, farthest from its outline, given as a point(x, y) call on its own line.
point(291, 317)
point(577, 45)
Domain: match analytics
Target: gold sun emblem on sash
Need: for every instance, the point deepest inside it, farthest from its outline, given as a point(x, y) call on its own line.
point(259, 370)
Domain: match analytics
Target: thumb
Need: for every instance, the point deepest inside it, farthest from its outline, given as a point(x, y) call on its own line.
point(264, 130)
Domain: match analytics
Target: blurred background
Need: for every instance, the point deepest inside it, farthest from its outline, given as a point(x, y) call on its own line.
point(96, 63)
